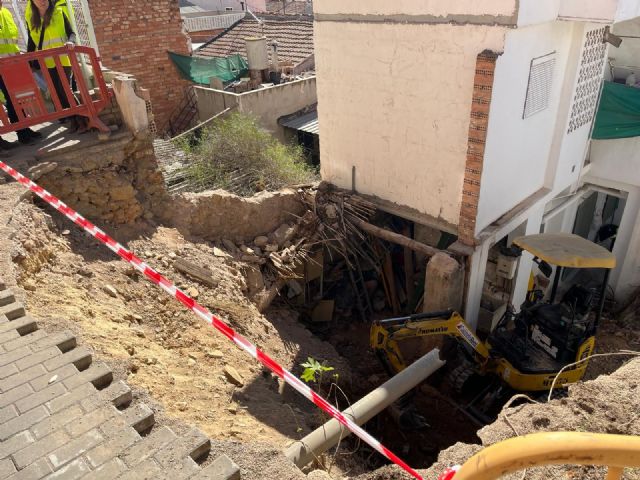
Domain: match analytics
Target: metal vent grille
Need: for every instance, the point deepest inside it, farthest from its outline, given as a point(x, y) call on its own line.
point(592, 65)
point(540, 84)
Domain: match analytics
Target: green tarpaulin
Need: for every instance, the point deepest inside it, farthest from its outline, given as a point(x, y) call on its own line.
point(619, 112)
point(201, 69)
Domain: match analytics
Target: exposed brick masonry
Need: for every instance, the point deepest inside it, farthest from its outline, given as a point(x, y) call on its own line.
point(482, 91)
point(134, 37)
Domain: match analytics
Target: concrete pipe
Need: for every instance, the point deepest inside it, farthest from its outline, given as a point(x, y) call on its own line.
point(327, 436)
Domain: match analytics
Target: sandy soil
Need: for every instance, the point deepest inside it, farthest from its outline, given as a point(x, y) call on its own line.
point(71, 282)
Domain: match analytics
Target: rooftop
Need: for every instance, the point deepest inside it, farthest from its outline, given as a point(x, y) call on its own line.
point(294, 35)
point(306, 120)
point(293, 7)
point(188, 7)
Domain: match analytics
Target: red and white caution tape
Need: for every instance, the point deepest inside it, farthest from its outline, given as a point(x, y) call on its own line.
point(449, 474)
point(207, 316)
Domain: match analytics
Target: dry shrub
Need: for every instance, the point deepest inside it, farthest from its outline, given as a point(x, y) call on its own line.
point(237, 155)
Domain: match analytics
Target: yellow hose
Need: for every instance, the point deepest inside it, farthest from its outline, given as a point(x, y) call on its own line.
point(539, 449)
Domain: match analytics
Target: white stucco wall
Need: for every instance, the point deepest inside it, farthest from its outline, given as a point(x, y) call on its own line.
point(395, 102)
point(628, 55)
point(605, 11)
point(532, 12)
point(574, 147)
point(627, 9)
point(593, 10)
point(267, 104)
point(416, 7)
point(517, 150)
point(617, 160)
point(626, 278)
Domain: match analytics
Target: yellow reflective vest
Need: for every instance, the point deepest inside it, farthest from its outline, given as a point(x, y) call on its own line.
point(55, 34)
point(8, 34)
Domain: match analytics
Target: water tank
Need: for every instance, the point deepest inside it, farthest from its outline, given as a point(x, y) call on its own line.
point(257, 53)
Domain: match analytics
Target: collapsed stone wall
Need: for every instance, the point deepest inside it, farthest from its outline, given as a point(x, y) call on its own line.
point(220, 215)
point(117, 181)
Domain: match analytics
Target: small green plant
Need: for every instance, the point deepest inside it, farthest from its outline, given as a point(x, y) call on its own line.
point(314, 371)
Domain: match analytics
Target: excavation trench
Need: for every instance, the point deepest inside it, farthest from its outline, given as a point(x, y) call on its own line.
point(163, 350)
point(448, 424)
point(73, 283)
point(245, 245)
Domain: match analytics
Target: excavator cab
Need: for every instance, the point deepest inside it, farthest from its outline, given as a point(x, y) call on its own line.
point(547, 335)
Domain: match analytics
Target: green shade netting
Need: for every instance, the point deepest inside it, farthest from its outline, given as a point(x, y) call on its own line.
point(619, 112)
point(201, 69)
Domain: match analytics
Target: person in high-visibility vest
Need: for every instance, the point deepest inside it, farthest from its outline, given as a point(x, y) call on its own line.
point(8, 47)
point(49, 27)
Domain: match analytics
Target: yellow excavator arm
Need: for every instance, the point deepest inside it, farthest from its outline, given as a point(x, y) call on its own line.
point(385, 335)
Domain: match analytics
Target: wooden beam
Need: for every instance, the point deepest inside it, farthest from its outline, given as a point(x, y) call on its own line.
point(196, 272)
point(456, 249)
point(396, 238)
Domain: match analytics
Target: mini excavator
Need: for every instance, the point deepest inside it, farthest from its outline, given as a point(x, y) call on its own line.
point(527, 350)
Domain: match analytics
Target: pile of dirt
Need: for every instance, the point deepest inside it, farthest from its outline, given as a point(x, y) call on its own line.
point(197, 375)
point(71, 282)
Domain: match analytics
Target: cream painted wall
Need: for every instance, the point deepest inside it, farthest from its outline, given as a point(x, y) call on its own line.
point(517, 150)
point(416, 7)
point(395, 102)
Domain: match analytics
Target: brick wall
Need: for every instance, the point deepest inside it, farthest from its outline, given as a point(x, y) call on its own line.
point(482, 91)
point(134, 37)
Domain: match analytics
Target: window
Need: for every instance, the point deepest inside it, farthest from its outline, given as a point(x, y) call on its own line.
point(540, 83)
point(229, 9)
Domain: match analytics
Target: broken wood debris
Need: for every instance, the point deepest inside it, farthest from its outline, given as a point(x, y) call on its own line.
point(196, 272)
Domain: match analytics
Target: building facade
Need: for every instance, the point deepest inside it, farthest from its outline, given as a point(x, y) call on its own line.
point(474, 118)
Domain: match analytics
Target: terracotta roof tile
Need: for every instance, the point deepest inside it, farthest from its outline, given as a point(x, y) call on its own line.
point(293, 34)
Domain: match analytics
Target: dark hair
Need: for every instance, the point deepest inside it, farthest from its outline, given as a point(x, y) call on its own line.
point(36, 20)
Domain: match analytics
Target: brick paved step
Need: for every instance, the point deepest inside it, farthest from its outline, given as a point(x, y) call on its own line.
point(62, 416)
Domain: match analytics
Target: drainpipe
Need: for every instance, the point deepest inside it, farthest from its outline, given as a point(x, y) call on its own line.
point(327, 436)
